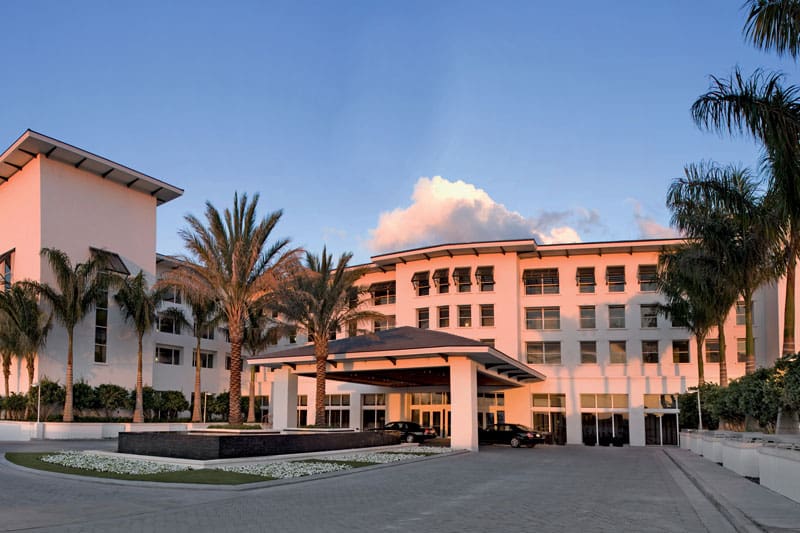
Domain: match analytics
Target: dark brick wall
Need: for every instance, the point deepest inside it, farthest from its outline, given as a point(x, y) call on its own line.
point(205, 447)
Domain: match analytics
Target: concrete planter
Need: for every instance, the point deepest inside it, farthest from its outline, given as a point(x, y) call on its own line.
point(687, 439)
point(697, 444)
point(741, 456)
point(779, 469)
point(712, 447)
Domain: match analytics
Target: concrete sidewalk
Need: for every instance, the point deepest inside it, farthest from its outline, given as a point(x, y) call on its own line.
point(747, 505)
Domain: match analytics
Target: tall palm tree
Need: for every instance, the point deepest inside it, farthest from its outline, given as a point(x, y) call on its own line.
point(259, 333)
point(232, 263)
point(720, 208)
point(139, 304)
point(74, 296)
point(689, 280)
point(762, 107)
point(321, 298)
point(9, 342)
point(774, 24)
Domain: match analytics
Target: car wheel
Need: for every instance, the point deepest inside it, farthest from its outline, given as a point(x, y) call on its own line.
point(410, 438)
point(514, 442)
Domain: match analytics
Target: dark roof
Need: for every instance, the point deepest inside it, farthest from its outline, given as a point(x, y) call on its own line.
point(402, 338)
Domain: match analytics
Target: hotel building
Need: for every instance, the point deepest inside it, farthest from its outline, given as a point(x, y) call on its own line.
point(566, 338)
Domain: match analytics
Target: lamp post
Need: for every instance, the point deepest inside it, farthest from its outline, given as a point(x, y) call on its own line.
point(699, 411)
point(205, 406)
point(39, 402)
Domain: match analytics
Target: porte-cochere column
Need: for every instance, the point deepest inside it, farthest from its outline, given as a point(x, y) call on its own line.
point(283, 400)
point(464, 403)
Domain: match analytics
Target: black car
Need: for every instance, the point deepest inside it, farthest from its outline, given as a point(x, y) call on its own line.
point(514, 434)
point(409, 431)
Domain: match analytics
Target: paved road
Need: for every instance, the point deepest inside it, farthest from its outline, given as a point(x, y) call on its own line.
point(572, 488)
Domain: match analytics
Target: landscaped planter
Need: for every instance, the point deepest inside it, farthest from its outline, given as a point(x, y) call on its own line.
point(779, 469)
point(205, 447)
point(697, 444)
point(712, 446)
point(686, 439)
point(741, 456)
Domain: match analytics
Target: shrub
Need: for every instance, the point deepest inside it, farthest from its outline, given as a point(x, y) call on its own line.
point(111, 398)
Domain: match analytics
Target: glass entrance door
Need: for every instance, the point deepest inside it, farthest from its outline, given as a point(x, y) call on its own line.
point(435, 416)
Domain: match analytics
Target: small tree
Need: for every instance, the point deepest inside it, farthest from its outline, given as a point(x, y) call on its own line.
point(111, 398)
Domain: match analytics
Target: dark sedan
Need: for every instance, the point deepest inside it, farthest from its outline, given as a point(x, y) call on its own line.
point(409, 431)
point(514, 434)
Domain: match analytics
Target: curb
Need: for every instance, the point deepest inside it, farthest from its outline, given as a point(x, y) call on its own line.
point(738, 519)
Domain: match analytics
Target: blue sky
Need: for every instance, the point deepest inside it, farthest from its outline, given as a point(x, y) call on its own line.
point(559, 121)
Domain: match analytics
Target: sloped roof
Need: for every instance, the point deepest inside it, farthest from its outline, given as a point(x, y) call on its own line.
point(32, 144)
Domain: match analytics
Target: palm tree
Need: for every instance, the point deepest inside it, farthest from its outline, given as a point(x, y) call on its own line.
point(8, 347)
point(760, 106)
point(259, 333)
point(205, 316)
point(774, 24)
point(74, 296)
point(720, 208)
point(232, 263)
point(139, 305)
point(322, 298)
point(689, 280)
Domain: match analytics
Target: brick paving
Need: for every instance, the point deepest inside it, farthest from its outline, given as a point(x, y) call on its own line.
point(548, 488)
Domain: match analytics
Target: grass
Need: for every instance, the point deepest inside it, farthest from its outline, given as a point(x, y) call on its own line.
point(203, 476)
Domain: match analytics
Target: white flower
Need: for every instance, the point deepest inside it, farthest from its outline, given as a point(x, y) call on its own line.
point(105, 463)
point(287, 469)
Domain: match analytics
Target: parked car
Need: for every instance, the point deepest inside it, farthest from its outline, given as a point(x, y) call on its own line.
point(514, 434)
point(409, 431)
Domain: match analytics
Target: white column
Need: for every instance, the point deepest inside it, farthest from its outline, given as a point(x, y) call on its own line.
point(283, 400)
point(355, 410)
point(395, 406)
point(464, 403)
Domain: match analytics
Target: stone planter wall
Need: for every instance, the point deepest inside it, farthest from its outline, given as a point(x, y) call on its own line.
point(741, 457)
point(779, 469)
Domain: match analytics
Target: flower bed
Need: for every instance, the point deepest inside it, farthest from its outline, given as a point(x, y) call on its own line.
point(105, 463)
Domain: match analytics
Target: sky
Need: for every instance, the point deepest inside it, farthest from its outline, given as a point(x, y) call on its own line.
point(383, 126)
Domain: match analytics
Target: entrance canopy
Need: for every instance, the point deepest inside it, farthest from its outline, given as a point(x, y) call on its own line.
point(404, 357)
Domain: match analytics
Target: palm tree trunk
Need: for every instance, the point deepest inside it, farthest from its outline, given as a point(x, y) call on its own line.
point(251, 405)
point(138, 411)
point(235, 391)
point(68, 382)
point(29, 362)
point(321, 353)
point(701, 376)
point(788, 310)
point(196, 412)
point(723, 356)
point(6, 375)
point(749, 340)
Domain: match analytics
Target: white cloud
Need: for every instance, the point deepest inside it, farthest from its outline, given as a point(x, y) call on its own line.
point(649, 228)
point(444, 211)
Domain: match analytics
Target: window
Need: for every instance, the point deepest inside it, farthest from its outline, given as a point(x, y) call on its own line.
point(485, 278)
point(464, 316)
point(558, 401)
point(740, 308)
point(615, 278)
point(444, 316)
point(647, 278)
point(112, 262)
point(542, 318)
point(650, 352)
point(585, 279)
point(302, 410)
point(292, 337)
point(207, 333)
point(337, 410)
point(101, 328)
point(441, 278)
point(649, 317)
point(227, 361)
point(587, 317)
point(422, 283)
point(604, 401)
point(487, 315)
point(660, 401)
point(618, 355)
point(488, 342)
point(206, 360)
point(680, 351)
point(172, 295)
point(462, 280)
point(373, 410)
point(382, 324)
point(543, 353)
point(168, 356)
point(712, 350)
point(423, 318)
point(588, 352)
point(616, 316)
point(383, 293)
point(541, 281)
point(741, 350)
point(168, 324)
point(6, 272)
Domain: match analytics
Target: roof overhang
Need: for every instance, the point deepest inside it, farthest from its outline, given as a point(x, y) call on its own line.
point(452, 250)
point(406, 367)
point(32, 144)
point(604, 248)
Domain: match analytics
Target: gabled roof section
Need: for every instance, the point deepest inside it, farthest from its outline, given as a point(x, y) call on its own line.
point(31, 144)
point(454, 249)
